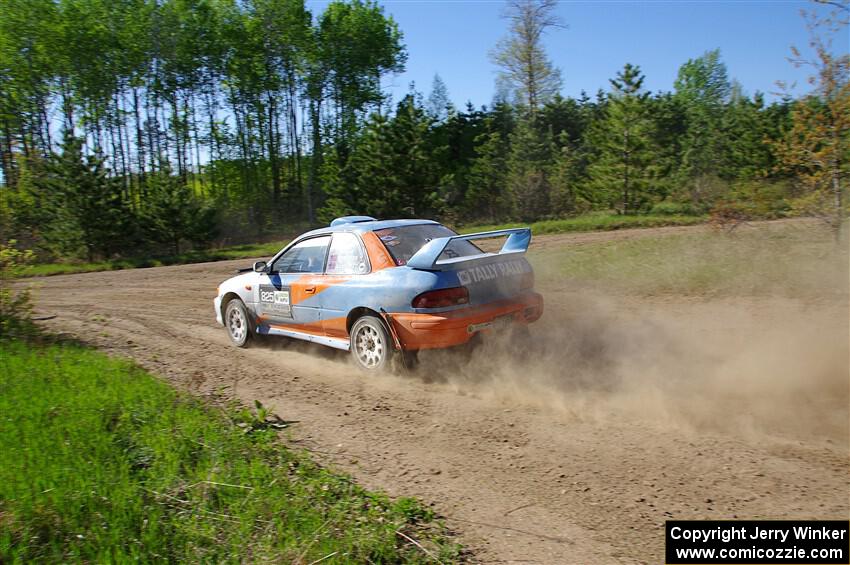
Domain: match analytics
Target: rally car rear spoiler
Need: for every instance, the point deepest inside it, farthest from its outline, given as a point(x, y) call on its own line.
point(429, 257)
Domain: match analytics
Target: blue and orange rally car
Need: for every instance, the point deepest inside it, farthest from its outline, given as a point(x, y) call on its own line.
point(376, 288)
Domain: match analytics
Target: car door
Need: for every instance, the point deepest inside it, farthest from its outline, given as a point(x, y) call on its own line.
point(342, 287)
point(286, 297)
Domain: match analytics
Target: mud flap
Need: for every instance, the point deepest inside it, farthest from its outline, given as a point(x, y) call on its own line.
point(407, 358)
point(389, 322)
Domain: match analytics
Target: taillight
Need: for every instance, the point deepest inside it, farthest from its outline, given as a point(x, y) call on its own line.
point(527, 281)
point(442, 298)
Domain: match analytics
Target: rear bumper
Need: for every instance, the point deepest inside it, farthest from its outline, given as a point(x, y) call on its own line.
point(447, 329)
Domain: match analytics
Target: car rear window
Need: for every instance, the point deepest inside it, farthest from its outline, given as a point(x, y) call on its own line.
point(403, 242)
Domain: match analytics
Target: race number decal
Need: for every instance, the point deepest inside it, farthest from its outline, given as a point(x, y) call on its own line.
point(275, 301)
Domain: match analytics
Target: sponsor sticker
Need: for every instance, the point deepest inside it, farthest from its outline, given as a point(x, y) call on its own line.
point(275, 301)
point(492, 271)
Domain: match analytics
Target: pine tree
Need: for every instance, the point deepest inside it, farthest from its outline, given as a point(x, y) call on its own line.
point(702, 89)
point(87, 210)
point(622, 173)
point(340, 198)
point(453, 149)
point(532, 150)
point(439, 106)
point(565, 115)
point(486, 198)
point(172, 214)
point(419, 179)
point(747, 154)
point(670, 126)
point(376, 186)
point(391, 167)
point(567, 196)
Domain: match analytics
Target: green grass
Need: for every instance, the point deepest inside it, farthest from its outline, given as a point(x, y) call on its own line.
point(104, 463)
point(223, 254)
point(594, 222)
point(590, 222)
point(799, 260)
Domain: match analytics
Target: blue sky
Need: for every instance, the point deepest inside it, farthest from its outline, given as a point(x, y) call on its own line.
point(453, 38)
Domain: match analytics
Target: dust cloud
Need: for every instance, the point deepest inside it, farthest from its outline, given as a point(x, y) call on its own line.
point(774, 366)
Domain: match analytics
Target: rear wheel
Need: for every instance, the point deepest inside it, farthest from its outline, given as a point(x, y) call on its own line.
point(236, 323)
point(371, 347)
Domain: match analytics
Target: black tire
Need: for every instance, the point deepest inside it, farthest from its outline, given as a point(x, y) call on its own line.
point(371, 344)
point(237, 323)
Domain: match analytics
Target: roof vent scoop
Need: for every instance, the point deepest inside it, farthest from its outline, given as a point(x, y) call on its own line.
point(351, 220)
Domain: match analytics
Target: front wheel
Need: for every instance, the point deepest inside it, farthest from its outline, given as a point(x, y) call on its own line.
point(236, 323)
point(371, 347)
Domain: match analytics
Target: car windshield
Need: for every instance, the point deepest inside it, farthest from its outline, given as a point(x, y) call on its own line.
point(403, 242)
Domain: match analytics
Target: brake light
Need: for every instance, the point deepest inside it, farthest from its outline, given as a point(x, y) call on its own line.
point(442, 298)
point(527, 281)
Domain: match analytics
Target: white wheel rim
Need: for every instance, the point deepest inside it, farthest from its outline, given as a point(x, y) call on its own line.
point(236, 324)
point(369, 346)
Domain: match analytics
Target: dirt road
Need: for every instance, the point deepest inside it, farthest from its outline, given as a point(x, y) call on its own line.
point(625, 412)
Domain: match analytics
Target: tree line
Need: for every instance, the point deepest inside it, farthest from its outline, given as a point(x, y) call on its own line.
point(232, 98)
point(143, 126)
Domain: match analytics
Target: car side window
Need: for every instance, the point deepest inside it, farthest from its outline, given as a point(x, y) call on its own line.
point(306, 256)
point(346, 256)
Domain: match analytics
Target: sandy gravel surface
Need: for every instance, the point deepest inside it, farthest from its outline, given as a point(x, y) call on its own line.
point(575, 448)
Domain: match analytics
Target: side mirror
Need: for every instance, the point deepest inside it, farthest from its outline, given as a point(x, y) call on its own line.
point(260, 267)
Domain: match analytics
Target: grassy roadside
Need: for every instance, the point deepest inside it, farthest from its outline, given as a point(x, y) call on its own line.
point(105, 463)
point(795, 260)
point(590, 222)
point(595, 222)
point(222, 254)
